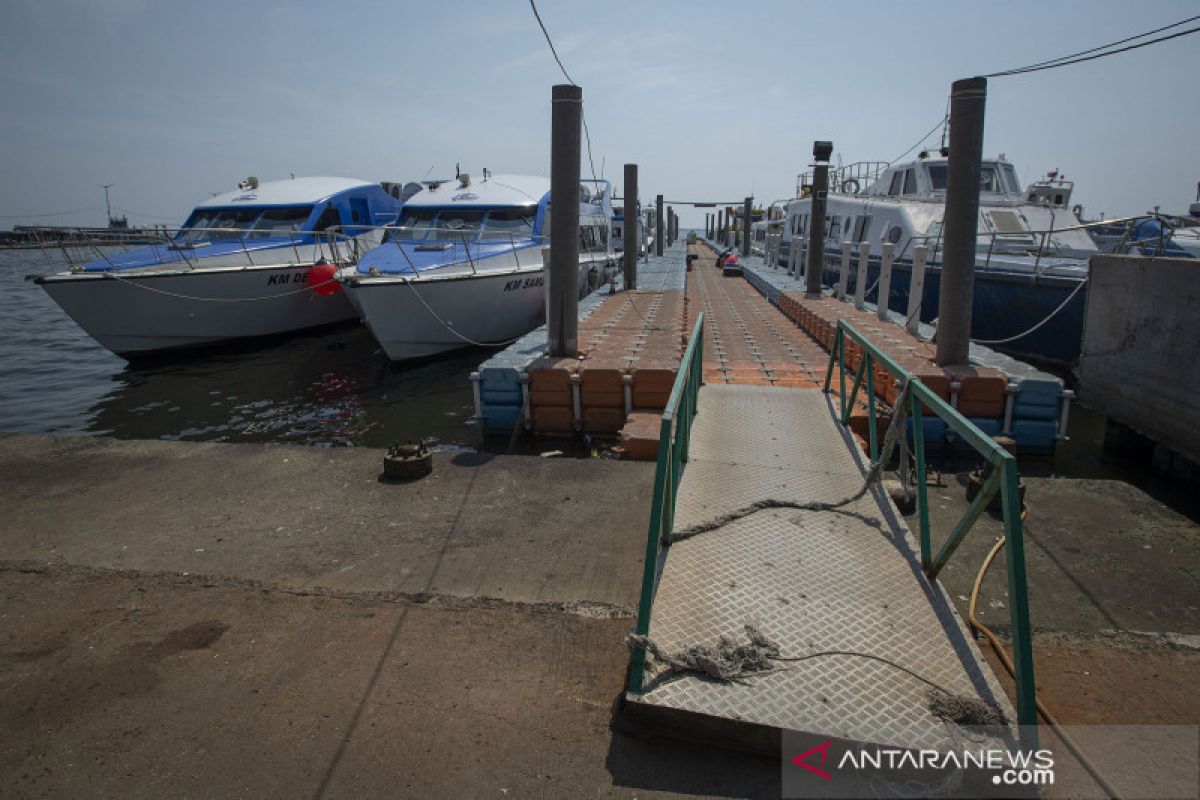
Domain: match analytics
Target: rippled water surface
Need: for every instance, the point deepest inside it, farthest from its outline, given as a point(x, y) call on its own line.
point(328, 388)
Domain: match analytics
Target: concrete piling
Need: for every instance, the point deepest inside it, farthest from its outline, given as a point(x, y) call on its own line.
point(916, 288)
point(844, 270)
point(885, 279)
point(631, 226)
point(860, 279)
point(746, 206)
point(659, 226)
point(562, 313)
point(815, 263)
point(967, 100)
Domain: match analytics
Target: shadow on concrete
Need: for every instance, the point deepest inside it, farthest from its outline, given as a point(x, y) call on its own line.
point(638, 760)
point(467, 458)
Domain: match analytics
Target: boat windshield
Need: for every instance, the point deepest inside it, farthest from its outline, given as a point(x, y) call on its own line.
point(461, 224)
point(234, 224)
point(995, 178)
point(507, 223)
point(280, 222)
point(937, 177)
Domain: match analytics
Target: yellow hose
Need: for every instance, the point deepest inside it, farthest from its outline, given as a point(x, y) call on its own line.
point(976, 625)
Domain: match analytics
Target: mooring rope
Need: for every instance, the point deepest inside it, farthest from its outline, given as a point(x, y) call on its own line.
point(156, 290)
point(1048, 317)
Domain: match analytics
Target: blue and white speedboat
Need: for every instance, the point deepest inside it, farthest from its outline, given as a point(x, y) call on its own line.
point(1031, 252)
point(254, 262)
point(464, 265)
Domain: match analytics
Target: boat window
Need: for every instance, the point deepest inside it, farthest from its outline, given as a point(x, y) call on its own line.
point(591, 238)
point(219, 225)
point(416, 224)
point(329, 218)
point(360, 211)
point(1010, 175)
point(280, 222)
point(910, 181)
point(894, 234)
point(864, 227)
point(937, 177)
point(503, 223)
point(458, 225)
point(989, 179)
point(897, 182)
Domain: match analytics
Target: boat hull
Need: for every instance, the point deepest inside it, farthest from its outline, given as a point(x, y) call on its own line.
point(437, 314)
point(1004, 305)
point(148, 313)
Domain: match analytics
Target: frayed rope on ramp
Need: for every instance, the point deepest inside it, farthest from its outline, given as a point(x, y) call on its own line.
point(728, 661)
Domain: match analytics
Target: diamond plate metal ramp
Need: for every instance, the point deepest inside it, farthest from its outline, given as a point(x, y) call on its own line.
point(814, 582)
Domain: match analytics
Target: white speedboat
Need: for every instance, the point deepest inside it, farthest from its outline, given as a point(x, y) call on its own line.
point(1031, 250)
point(464, 265)
point(255, 262)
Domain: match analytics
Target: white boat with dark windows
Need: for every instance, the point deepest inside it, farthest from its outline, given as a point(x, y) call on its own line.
point(1031, 257)
point(618, 230)
point(258, 261)
point(464, 265)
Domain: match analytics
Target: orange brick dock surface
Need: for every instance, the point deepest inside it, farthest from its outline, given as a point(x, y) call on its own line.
point(632, 342)
point(746, 339)
point(980, 390)
point(630, 350)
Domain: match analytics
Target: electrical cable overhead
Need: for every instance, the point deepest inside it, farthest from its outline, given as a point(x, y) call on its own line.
point(941, 122)
point(553, 52)
point(1095, 52)
point(586, 133)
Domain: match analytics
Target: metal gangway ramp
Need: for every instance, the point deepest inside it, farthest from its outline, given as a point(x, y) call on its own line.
point(845, 591)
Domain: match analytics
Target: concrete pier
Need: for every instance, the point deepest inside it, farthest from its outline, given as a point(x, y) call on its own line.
point(212, 620)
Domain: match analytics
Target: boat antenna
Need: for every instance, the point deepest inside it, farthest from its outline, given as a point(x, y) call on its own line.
point(107, 204)
point(945, 125)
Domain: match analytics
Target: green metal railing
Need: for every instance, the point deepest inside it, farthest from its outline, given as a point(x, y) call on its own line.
point(673, 438)
point(1003, 478)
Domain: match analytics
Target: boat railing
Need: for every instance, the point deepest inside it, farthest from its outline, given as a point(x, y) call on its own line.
point(848, 179)
point(1046, 246)
point(186, 247)
point(447, 237)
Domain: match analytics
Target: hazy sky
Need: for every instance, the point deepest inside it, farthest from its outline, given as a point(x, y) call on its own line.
point(173, 101)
